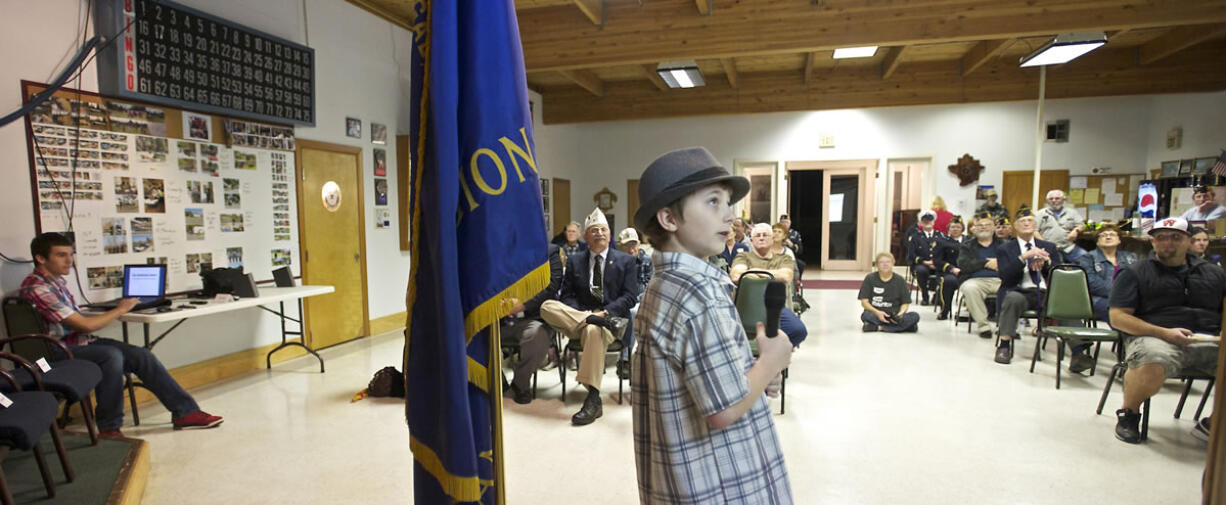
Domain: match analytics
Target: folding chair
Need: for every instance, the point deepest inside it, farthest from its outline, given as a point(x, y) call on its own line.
point(1068, 299)
point(751, 307)
point(1118, 371)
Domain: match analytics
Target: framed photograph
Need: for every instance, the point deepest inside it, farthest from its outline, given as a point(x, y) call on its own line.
point(1170, 169)
point(1185, 167)
point(353, 127)
point(380, 162)
point(1203, 165)
point(378, 133)
point(380, 191)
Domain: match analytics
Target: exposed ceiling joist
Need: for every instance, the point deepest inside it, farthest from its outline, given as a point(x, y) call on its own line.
point(981, 53)
point(586, 80)
point(704, 6)
point(635, 34)
point(1177, 40)
point(1103, 73)
point(386, 14)
point(593, 9)
point(892, 59)
point(729, 71)
point(652, 75)
point(810, 62)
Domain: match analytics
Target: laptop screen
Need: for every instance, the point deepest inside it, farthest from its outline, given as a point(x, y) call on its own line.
point(144, 281)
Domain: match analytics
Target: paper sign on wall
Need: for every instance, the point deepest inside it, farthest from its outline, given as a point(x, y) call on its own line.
point(836, 208)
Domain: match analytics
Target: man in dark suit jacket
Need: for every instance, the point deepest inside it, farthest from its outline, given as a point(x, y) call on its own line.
point(1024, 263)
point(921, 247)
point(600, 287)
point(530, 330)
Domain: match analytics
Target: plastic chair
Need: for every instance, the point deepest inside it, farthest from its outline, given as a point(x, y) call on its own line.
point(22, 424)
point(1068, 299)
point(750, 303)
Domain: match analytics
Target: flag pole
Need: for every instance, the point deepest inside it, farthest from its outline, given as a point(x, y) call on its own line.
point(495, 389)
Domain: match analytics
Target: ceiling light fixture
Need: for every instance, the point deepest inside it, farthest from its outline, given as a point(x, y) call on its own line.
point(1064, 48)
point(855, 52)
point(681, 74)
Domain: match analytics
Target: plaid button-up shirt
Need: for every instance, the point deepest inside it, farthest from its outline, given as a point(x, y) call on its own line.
point(53, 302)
point(690, 363)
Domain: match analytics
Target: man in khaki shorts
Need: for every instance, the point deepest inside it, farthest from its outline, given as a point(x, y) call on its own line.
point(1160, 302)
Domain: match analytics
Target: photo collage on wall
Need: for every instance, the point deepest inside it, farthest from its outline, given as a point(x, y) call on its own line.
point(130, 215)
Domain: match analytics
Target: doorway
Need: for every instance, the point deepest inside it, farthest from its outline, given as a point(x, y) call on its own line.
point(561, 205)
point(806, 213)
point(905, 190)
point(845, 240)
point(333, 239)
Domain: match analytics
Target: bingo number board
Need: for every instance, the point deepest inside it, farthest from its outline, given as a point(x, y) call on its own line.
point(172, 54)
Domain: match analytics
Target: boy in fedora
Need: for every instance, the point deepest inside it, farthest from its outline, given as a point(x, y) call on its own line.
point(703, 431)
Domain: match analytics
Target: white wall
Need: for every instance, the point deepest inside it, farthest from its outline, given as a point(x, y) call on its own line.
point(1200, 116)
point(1115, 132)
point(361, 71)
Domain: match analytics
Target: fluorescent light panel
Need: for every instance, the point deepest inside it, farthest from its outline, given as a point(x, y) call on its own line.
point(1065, 48)
point(855, 52)
point(682, 74)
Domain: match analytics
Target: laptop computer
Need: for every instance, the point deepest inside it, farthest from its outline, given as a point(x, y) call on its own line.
point(146, 283)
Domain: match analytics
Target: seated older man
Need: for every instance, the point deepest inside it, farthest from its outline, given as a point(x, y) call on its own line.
point(1025, 263)
point(978, 271)
point(1159, 302)
point(530, 331)
point(598, 289)
point(781, 267)
point(1061, 225)
point(921, 248)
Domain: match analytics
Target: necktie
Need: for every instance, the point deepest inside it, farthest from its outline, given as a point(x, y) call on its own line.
point(598, 278)
point(1034, 276)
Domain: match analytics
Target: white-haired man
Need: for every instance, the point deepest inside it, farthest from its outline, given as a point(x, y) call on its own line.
point(1061, 225)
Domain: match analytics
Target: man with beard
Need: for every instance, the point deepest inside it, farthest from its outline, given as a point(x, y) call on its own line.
point(1158, 303)
point(978, 271)
point(1061, 225)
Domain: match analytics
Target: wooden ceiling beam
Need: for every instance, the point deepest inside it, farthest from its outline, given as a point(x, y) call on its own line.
point(891, 61)
point(704, 7)
point(593, 9)
point(382, 12)
point(585, 79)
point(981, 53)
point(1177, 39)
point(1102, 73)
point(810, 62)
point(652, 75)
point(729, 71)
point(635, 33)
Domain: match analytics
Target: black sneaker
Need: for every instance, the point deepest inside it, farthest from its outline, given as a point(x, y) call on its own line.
point(1201, 430)
point(943, 315)
point(1080, 362)
point(1127, 426)
point(623, 369)
point(869, 327)
point(985, 334)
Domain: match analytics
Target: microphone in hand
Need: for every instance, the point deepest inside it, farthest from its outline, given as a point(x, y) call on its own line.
point(775, 297)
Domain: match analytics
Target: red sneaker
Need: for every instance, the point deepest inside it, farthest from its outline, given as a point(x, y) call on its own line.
point(196, 420)
point(115, 433)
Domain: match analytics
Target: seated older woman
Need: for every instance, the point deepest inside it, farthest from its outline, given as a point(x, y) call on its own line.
point(885, 297)
point(1101, 265)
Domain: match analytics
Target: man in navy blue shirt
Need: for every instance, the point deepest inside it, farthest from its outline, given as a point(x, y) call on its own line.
point(977, 273)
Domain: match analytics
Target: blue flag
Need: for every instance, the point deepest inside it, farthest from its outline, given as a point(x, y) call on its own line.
point(477, 236)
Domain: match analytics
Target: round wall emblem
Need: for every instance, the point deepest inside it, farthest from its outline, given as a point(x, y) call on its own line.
point(331, 196)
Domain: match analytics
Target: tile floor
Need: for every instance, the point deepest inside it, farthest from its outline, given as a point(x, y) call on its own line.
point(923, 418)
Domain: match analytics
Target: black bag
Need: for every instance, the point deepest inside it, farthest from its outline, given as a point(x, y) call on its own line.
point(386, 382)
point(220, 280)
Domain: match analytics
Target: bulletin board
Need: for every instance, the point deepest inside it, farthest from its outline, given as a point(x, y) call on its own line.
point(1104, 197)
point(148, 184)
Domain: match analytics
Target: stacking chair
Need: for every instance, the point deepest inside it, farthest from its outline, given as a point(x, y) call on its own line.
point(510, 347)
point(574, 347)
point(751, 306)
point(22, 424)
point(1068, 299)
point(69, 379)
point(1118, 371)
point(28, 339)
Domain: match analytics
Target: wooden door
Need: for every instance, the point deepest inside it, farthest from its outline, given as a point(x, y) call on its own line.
point(846, 224)
point(561, 204)
point(632, 203)
point(333, 242)
point(1017, 187)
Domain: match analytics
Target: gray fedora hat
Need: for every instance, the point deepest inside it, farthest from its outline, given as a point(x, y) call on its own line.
point(679, 173)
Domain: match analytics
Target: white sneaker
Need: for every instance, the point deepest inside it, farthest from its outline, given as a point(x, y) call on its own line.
point(1201, 430)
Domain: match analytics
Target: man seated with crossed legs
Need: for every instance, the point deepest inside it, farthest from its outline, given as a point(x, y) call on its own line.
point(600, 286)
